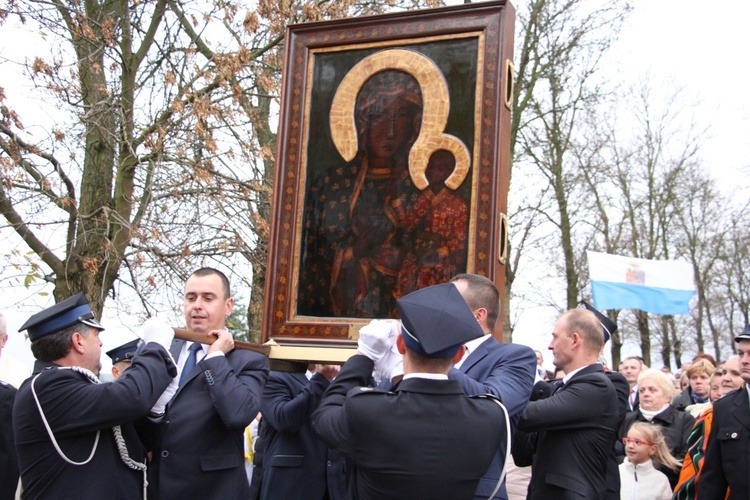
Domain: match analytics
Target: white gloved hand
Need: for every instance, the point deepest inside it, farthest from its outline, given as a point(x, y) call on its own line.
point(166, 396)
point(391, 365)
point(157, 330)
point(376, 338)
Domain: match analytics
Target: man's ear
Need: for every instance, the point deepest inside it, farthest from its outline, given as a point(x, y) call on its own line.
point(400, 344)
point(459, 354)
point(77, 342)
point(576, 338)
point(480, 314)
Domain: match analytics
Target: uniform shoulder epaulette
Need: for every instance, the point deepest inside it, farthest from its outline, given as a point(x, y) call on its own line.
point(5, 386)
point(491, 397)
point(367, 390)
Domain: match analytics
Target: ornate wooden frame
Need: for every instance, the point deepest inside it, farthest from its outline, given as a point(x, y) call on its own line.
point(480, 34)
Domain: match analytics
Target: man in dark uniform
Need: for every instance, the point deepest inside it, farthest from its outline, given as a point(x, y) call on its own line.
point(72, 432)
point(727, 461)
point(122, 356)
point(426, 439)
point(293, 454)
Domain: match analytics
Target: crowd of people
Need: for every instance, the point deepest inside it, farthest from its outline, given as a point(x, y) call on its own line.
point(430, 406)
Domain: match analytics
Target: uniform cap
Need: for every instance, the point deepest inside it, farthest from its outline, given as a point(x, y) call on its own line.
point(436, 321)
point(608, 326)
point(745, 335)
point(70, 311)
point(125, 352)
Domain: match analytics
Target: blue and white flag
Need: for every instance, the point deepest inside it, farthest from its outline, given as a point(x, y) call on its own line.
point(655, 286)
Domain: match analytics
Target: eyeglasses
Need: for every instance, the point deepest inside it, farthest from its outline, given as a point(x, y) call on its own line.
point(626, 441)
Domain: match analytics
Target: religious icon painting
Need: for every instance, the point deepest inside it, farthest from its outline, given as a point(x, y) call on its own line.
point(393, 160)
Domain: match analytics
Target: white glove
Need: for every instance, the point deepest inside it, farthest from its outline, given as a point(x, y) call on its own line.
point(166, 397)
point(391, 365)
point(376, 338)
point(157, 330)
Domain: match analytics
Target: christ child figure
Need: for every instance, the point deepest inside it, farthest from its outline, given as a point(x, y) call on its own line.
point(439, 222)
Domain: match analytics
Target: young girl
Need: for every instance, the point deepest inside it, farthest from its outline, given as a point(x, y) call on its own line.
point(646, 450)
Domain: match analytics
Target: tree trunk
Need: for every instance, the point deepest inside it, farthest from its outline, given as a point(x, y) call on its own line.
point(643, 329)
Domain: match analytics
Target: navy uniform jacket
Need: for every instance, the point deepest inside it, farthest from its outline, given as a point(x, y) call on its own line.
point(575, 429)
point(506, 371)
point(8, 462)
point(76, 409)
point(426, 440)
point(727, 460)
point(293, 454)
point(201, 453)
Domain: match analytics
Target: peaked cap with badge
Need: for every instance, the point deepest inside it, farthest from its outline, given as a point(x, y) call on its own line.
point(745, 335)
point(608, 326)
point(70, 311)
point(125, 352)
point(436, 321)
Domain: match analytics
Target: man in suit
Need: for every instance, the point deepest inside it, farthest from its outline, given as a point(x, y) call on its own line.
point(506, 371)
point(201, 452)
point(727, 461)
point(426, 439)
point(540, 371)
point(81, 453)
point(573, 430)
point(630, 368)
point(293, 454)
point(622, 387)
point(8, 461)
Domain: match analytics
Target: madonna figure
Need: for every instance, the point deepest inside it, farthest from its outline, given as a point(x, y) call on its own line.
point(354, 243)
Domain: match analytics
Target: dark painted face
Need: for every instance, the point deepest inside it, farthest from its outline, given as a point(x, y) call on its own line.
point(390, 127)
point(440, 167)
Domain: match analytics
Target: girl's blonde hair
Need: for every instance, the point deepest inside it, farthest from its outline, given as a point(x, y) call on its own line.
point(653, 433)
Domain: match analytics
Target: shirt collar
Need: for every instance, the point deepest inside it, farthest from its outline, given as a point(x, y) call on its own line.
point(568, 376)
point(473, 344)
point(202, 351)
point(431, 376)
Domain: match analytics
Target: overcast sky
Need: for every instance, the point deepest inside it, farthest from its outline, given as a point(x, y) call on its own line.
point(695, 45)
point(702, 48)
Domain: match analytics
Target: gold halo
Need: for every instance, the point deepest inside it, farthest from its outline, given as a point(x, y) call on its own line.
point(434, 117)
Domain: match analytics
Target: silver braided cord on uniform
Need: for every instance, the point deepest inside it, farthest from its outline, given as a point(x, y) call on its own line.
point(507, 445)
point(52, 436)
point(116, 430)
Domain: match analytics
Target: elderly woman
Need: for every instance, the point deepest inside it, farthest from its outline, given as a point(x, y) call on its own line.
point(700, 374)
point(655, 394)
